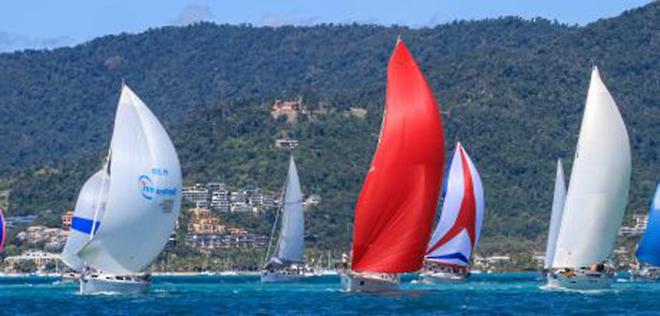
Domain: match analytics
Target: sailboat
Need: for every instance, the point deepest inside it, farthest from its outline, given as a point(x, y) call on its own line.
point(3, 230)
point(648, 250)
point(397, 205)
point(597, 195)
point(457, 233)
point(288, 261)
point(126, 211)
point(559, 197)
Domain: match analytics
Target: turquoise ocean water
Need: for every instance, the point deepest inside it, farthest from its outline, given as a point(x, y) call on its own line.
point(512, 293)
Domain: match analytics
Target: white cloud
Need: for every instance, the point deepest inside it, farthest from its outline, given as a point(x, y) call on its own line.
point(275, 20)
point(12, 42)
point(193, 13)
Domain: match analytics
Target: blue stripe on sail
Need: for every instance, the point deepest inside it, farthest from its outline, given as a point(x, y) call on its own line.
point(455, 255)
point(84, 225)
point(649, 247)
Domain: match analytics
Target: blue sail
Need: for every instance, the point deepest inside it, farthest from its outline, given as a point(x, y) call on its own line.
point(649, 247)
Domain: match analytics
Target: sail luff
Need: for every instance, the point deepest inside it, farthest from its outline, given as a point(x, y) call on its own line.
point(599, 184)
point(648, 250)
point(559, 197)
point(396, 206)
point(291, 241)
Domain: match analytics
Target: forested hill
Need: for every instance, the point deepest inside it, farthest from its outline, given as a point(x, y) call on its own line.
point(514, 89)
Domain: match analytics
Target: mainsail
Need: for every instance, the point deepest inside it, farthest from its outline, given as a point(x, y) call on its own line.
point(648, 250)
point(291, 242)
point(90, 205)
point(598, 189)
point(462, 215)
point(555, 218)
point(144, 193)
point(396, 207)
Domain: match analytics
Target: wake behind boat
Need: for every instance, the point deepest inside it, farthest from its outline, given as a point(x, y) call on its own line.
point(596, 198)
point(126, 211)
point(396, 207)
point(455, 237)
point(288, 262)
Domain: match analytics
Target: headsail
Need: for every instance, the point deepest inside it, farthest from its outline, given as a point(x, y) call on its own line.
point(649, 247)
point(462, 215)
point(3, 230)
point(555, 218)
point(396, 207)
point(90, 204)
point(598, 189)
point(291, 242)
point(144, 197)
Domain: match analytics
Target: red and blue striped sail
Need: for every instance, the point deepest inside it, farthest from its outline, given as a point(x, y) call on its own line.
point(462, 215)
point(648, 250)
point(3, 230)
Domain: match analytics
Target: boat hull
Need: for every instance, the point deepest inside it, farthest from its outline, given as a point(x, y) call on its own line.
point(581, 281)
point(279, 276)
point(103, 284)
point(442, 277)
point(370, 283)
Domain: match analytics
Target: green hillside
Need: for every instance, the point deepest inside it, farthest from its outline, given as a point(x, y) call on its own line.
point(514, 89)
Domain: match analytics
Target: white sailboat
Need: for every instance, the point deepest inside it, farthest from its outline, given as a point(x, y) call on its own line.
point(597, 195)
point(558, 201)
point(288, 261)
point(127, 210)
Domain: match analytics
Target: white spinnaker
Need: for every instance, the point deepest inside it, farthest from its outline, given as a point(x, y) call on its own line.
point(558, 200)
point(145, 192)
point(92, 197)
point(291, 242)
point(454, 198)
point(599, 184)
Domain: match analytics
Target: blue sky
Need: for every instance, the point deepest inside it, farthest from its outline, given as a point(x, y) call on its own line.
point(39, 24)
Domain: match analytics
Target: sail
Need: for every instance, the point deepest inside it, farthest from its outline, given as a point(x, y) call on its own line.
point(144, 196)
point(555, 217)
point(396, 207)
point(649, 247)
point(90, 204)
point(462, 215)
point(291, 243)
point(598, 189)
point(3, 230)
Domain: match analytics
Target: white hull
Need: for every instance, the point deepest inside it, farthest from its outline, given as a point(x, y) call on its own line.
point(104, 284)
point(367, 282)
point(441, 277)
point(280, 276)
point(580, 281)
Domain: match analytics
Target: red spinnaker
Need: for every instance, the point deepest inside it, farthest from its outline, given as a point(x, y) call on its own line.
point(396, 207)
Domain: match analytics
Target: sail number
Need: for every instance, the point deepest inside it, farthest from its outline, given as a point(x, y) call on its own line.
point(159, 171)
